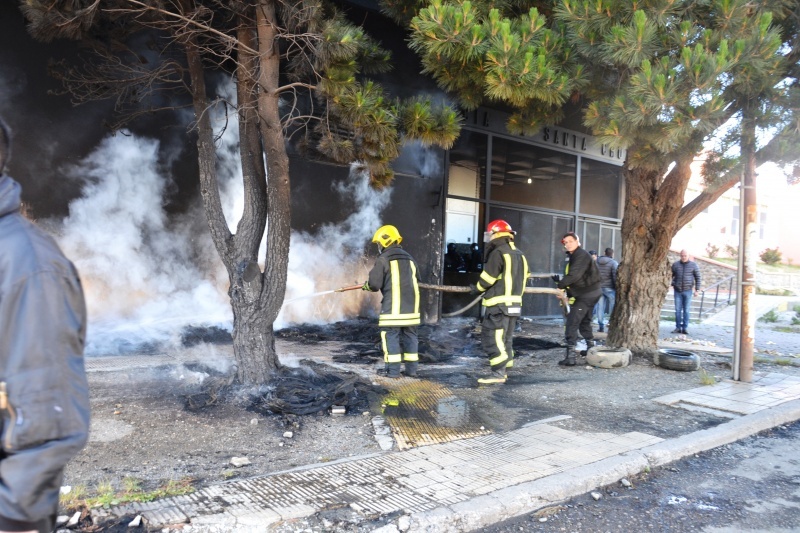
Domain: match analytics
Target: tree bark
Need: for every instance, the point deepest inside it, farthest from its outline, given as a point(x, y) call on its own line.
point(652, 207)
point(256, 297)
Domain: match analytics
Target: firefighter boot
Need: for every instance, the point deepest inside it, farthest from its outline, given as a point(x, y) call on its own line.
point(411, 368)
point(393, 370)
point(569, 358)
point(495, 376)
point(589, 345)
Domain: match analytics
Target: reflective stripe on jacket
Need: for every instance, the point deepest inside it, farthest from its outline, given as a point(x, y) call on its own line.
point(396, 275)
point(504, 274)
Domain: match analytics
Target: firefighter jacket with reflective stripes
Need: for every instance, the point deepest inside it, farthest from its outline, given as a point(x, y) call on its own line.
point(504, 275)
point(396, 275)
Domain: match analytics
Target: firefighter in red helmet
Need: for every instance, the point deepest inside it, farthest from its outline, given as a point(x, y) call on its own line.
point(502, 283)
point(396, 275)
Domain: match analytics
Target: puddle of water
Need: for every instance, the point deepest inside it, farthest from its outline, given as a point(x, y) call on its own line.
point(422, 412)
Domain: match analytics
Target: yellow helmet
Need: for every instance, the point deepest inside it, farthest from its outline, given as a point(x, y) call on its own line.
point(386, 236)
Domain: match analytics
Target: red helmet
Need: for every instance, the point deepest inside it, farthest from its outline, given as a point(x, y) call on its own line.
point(499, 226)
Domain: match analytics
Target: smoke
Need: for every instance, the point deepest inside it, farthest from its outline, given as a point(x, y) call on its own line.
point(144, 276)
point(333, 257)
point(147, 275)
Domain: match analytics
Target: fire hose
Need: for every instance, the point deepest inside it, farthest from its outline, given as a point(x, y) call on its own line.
point(561, 295)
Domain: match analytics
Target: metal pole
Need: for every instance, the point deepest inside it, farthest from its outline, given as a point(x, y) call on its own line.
point(748, 265)
point(739, 261)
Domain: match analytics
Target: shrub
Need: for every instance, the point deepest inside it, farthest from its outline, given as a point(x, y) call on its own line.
point(769, 316)
point(774, 292)
point(732, 251)
point(771, 256)
point(712, 251)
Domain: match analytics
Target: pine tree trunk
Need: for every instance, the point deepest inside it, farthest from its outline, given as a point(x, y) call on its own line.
point(253, 344)
point(652, 206)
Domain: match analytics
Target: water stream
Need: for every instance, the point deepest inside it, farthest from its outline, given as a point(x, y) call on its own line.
point(306, 296)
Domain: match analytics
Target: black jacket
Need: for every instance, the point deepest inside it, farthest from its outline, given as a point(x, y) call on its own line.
point(685, 276)
point(504, 275)
point(396, 275)
point(44, 396)
point(581, 276)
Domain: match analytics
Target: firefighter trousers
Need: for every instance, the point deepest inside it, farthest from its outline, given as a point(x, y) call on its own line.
point(497, 334)
point(400, 344)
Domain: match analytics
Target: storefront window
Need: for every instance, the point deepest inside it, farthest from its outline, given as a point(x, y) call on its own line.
point(600, 188)
point(534, 176)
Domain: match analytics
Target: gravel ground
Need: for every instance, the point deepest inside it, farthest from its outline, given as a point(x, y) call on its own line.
point(142, 429)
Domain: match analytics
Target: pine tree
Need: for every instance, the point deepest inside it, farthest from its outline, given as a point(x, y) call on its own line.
point(301, 69)
point(661, 79)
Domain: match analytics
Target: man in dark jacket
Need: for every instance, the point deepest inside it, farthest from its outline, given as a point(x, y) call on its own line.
point(502, 284)
point(685, 284)
point(581, 280)
point(396, 275)
point(607, 267)
point(44, 396)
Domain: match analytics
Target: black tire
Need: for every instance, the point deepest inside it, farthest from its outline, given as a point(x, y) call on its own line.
point(674, 359)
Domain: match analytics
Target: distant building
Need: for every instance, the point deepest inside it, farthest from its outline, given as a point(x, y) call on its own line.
point(718, 225)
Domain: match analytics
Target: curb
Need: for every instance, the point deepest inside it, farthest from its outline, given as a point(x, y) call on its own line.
point(515, 501)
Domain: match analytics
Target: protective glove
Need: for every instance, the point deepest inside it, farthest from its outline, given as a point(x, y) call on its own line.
point(365, 287)
point(556, 277)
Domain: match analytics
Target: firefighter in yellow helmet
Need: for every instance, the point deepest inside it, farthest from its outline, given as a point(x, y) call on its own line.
point(396, 275)
point(502, 284)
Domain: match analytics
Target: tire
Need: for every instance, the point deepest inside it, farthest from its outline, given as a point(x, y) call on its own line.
point(608, 357)
point(673, 359)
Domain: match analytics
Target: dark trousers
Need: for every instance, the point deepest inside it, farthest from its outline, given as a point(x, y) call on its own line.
point(497, 335)
point(579, 319)
point(400, 344)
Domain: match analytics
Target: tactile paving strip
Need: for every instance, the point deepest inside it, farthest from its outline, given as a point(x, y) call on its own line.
point(421, 412)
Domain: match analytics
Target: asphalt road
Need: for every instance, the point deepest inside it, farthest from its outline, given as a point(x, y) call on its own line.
point(750, 485)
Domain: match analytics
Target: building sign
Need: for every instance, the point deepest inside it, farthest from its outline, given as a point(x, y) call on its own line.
point(554, 137)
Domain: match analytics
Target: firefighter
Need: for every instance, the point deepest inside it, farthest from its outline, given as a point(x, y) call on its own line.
point(502, 284)
point(396, 275)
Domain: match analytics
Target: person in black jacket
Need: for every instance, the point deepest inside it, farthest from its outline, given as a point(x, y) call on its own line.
point(685, 284)
point(581, 280)
point(44, 394)
point(502, 284)
point(396, 275)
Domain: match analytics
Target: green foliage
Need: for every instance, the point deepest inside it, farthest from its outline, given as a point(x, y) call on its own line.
point(655, 78)
point(706, 378)
point(770, 316)
point(106, 496)
point(732, 251)
point(771, 256)
point(773, 292)
point(712, 250)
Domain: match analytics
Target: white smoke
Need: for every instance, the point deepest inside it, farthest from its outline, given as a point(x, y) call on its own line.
point(333, 257)
point(148, 276)
point(140, 275)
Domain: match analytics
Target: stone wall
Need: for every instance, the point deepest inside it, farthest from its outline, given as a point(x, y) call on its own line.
point(711, 271)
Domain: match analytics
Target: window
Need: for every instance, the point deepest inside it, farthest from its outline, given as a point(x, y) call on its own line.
point(600, 188)
point(532, 176)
